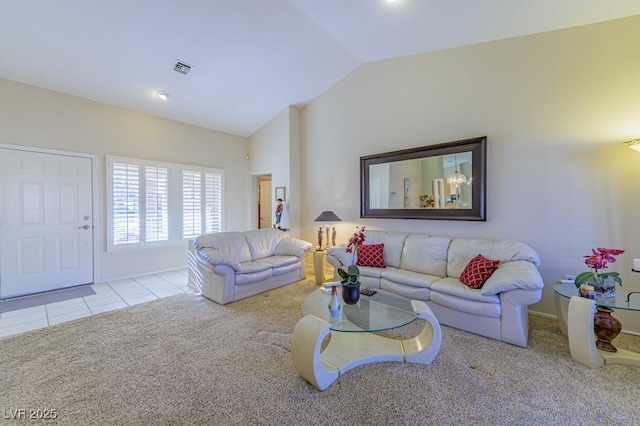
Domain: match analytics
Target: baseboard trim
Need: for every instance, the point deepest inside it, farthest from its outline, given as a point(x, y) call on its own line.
point(555, 317)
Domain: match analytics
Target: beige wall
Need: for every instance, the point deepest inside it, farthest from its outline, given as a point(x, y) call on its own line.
point(554, 106)
point(275, 150)
point(35, 117)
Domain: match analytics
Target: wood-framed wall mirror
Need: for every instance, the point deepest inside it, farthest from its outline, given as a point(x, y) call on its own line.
point(445, 181)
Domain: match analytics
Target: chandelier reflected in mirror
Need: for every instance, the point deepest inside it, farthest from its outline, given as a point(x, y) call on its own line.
point(457, 179)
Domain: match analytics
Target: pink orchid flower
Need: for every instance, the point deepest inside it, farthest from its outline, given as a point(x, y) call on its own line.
point(598, 260)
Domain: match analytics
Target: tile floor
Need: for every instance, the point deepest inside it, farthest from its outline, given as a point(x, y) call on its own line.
point(109, 296)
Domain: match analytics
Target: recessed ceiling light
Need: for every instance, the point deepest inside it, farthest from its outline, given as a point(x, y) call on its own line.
point(392, 1)
point(163, 95)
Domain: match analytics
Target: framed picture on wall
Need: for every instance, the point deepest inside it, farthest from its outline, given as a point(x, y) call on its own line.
point(281, 193)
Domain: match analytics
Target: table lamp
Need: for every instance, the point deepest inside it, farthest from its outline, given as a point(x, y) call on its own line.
point(326, 216)
point(634, 144)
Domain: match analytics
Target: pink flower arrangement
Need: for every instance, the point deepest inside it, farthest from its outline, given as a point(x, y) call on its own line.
point(352, 274)
point(356, 239)
point(597, 261)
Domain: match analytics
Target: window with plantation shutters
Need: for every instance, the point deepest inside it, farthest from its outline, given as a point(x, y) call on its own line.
point(125, 181)
point(213, 203)
point(156, 221)
point(155, 203)
point(191, 202)
point(201, 202)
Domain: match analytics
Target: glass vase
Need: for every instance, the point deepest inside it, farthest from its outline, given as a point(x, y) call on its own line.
point(334, 302)
point(605, 289)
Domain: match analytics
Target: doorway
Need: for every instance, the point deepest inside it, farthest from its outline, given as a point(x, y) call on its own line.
point(46, 217)
point(265, 216)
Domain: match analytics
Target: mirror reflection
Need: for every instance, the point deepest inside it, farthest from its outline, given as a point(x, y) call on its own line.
point(445, 181)
point(439, 182)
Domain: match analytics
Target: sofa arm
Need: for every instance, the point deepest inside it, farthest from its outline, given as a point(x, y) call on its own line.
point(338, 256)
point(292, 247)
point(514, 319)
point(217, 257)
point(518, 274)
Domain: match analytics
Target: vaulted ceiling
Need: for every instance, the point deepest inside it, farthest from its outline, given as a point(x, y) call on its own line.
point(251, 58)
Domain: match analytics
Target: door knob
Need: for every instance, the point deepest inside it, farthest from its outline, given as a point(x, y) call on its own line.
point(86, 227)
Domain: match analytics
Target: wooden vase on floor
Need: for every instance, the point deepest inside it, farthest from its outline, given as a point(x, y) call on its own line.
point(606, 328)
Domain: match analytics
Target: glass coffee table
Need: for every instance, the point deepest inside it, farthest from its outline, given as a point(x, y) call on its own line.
point(353, 342)
point(575, 318)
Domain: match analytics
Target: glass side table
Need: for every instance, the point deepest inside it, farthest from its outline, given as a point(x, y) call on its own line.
point(575, 318)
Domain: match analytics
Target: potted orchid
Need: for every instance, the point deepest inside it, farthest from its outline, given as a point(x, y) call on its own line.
point(601, 281)
point(351, 277)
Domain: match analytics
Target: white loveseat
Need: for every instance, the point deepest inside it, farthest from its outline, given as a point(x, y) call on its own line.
point(229, 266)
point(428, 268)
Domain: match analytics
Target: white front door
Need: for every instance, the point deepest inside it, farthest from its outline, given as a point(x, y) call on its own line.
point(46, 222)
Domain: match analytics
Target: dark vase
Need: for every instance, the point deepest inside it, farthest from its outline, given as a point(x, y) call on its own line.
point(351, 293)
point(606, 328)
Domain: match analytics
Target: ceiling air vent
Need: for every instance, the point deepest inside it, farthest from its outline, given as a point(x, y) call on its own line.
point(181, 67)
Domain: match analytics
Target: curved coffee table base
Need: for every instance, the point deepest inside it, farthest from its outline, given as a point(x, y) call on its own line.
point(348, 350)
point(582, 338)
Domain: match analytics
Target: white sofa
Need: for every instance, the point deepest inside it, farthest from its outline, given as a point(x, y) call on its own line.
point(229, 266)
point(428, 268)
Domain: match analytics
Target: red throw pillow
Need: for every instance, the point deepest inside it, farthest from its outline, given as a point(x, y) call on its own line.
point(371, 255)
point(478, 270)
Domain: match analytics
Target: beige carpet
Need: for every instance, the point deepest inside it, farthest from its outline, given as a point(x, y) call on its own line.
point(186, 360)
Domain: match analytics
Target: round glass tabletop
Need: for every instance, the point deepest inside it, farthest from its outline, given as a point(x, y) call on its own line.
point(617, 302)
point(382, 311)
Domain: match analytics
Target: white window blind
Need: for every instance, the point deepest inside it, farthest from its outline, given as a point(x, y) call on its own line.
point(157, 203)
point(201, 202)
point(191, 203)
point(162, 203)
point(213, 202)
point(125, 180)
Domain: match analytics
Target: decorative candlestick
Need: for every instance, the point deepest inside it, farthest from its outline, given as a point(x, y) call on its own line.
point(320, 238)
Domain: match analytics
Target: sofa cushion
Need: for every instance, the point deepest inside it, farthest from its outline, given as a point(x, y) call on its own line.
point(263, 242)
point(410, 278)
point(371, 255)
point(462, 250)
point(453, 287)
point(477, 271)
point(250, 267)
point(253, 277)
point(408, 291)
point(285, 269)
point(370, 271)
point(425, 254)
point(231, 243)
point(277, 261)
point(393, 242)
